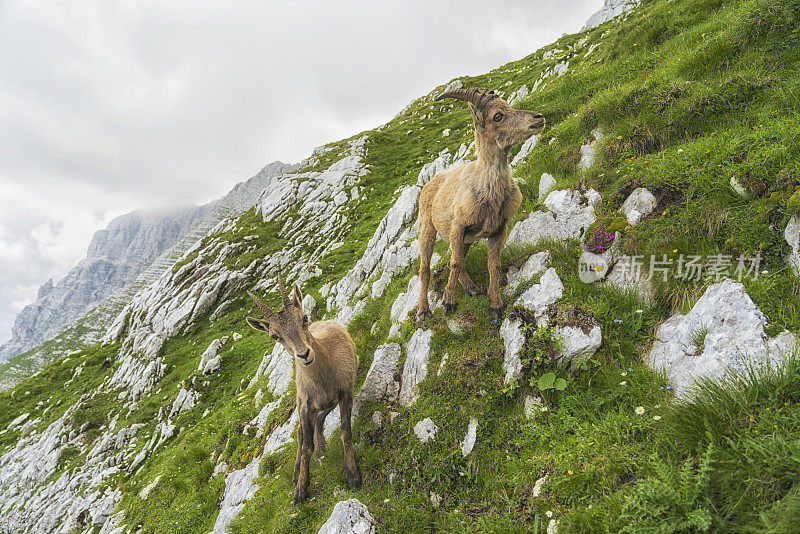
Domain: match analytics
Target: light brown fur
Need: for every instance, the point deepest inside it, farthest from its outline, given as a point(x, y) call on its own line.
point(325, 371)
point(475, 200)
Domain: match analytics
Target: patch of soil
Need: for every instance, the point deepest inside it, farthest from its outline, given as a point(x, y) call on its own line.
point(568, 314)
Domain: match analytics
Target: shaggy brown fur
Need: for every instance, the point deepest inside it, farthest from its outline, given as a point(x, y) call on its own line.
point(325, 372)
point(475, 200)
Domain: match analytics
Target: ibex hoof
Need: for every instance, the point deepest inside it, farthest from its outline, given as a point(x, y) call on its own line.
point(299, 496)
point(354, 482)
point(423, 314)
point(449, 308)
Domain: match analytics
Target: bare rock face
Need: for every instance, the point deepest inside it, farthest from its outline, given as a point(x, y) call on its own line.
point(349, 517)
point(415, 369)
point(185, 400)
point(792, 235)
point(534, 265)
point(241, 486)
point(640, 203)
point(115, 257)
point(380, 383)
point(610, 10)
point(426, 430)
point(406, 302)
point(540, 296)
point(278, 366)
point(577, 345)
point(469, 439)
point(513, 341)
point(546, 183)
point(589, 150)
point(570, 214)
point(525, 150)
point(722, 332)
point(211, 359)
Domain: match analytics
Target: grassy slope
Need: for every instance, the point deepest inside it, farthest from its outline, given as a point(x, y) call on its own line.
point(690, 93)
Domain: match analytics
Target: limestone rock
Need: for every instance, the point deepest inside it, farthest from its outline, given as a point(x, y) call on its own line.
point(571, 213)
point(415, 369)
point(589, 150)
point(730, 328)
point(534, 265)
point(610, 10)
point(513, 341)
point(210, 360)
point(426, 430)
point(469, 439)
point(407, 301)
point(577, 346)
point(185, 400)
point(278, 366)
point(525, 150)
point(240, 485)
point(546, 183)
point(349, 517)
point(792, 235)
point(533, 406)
point(540, 296)
point(640, 203)
point(518, 95)
point(380, 383)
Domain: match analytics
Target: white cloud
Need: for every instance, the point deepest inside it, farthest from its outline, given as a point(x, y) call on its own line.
point(109, 106)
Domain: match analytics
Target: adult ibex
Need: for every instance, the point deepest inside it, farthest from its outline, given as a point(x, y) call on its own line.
point(325, 371)
point(475, 200)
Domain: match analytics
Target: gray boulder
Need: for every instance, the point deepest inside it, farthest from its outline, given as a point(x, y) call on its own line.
point(722, 333)
point(640, 203)
point(349, 517)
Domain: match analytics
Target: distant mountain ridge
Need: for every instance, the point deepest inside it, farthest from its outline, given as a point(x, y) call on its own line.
point(115, 256)
point(121, 259)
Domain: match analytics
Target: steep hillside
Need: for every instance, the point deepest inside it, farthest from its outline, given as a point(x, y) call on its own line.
point(124, 258)
point(672, 135)
point(116, 256)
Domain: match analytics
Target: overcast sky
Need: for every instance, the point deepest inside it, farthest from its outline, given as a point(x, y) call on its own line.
point(110, 106)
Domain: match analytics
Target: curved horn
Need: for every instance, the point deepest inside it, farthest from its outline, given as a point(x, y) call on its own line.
point(284, 293)
point(477, 96)
point(261, 306)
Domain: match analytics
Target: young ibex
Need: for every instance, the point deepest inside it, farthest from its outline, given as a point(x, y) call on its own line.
point(325, 371)
point(475, 200)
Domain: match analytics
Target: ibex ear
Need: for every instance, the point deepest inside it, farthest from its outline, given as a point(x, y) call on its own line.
point(297, 299)
point(258, 324)
point(477, 117)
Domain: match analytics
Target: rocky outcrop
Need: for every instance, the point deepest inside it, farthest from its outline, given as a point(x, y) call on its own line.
point(349, 517)
point(240, 485)
point(540, 296)
point(570, 214)
point(415, 369)
point(534, 265)
point(115, 257)
point(380, 382)
point(426, 430)
point(640, 203)
point(610, 10)
point(469, 439)
point(723, 332)
point(792, 235)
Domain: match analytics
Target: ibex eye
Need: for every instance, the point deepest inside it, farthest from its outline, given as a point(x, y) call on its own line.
point(274, 336)
point(497, 117)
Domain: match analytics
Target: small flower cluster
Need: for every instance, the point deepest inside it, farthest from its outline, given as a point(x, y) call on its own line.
point(600, 239)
